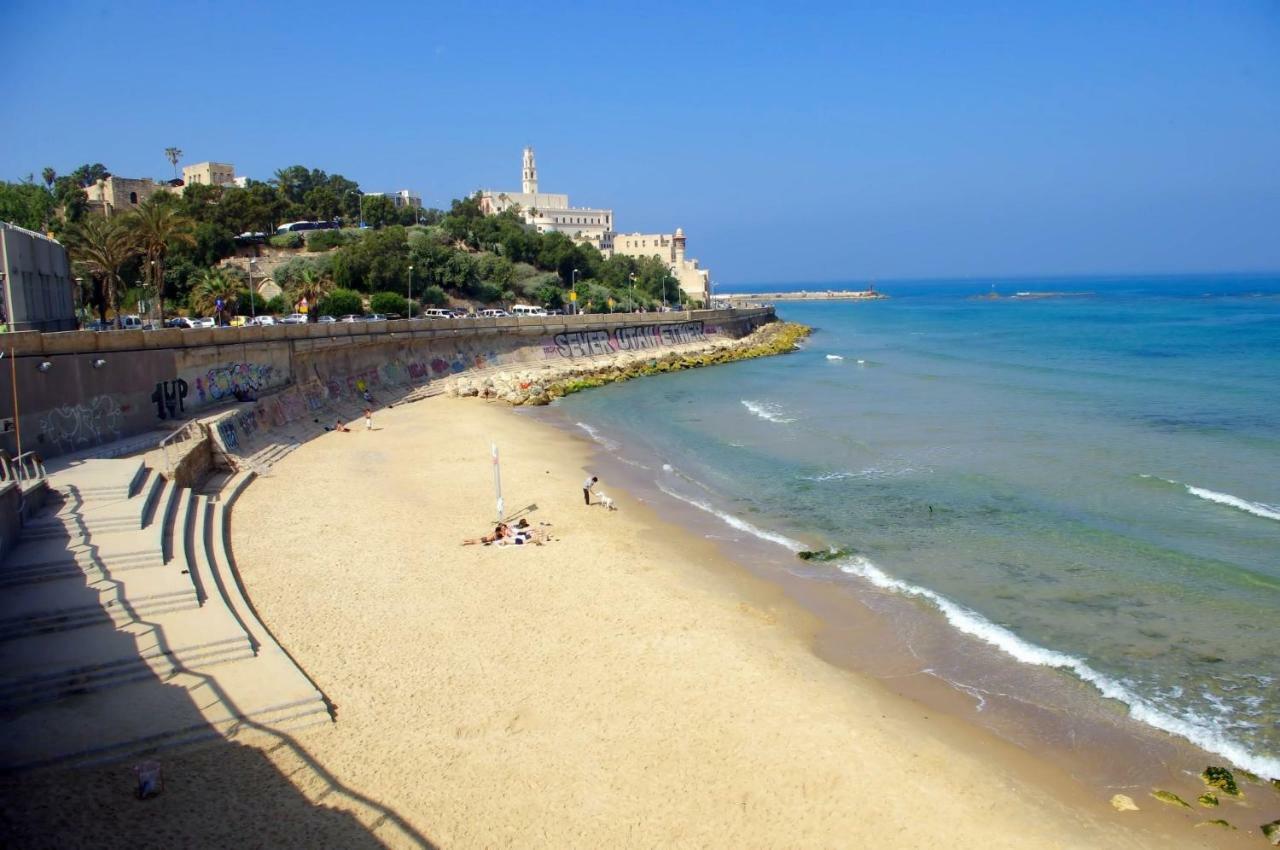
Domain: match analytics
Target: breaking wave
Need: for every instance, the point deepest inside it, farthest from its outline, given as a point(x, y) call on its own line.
point(735, 522)
point(599, 438)
point(768, 411)
point(1259, 509)
point(1193, 728)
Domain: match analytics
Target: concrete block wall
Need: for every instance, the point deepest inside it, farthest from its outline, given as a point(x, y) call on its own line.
point(100, 387)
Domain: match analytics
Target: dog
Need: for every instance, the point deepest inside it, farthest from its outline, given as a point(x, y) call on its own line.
point(602, 499)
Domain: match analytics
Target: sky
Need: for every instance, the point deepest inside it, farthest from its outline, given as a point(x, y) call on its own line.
point(793, 142)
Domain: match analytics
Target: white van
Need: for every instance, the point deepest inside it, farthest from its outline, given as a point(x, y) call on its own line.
point(526, 310)
point(130, 323)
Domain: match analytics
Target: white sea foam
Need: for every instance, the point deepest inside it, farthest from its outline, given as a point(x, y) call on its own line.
point(1261, 509)
point(734, 522)
point(862, 362)
point(871, 473)
point(835, 357)
point(1193, 728)
point(1256, 508)
point(599, 438)
point(768, 411)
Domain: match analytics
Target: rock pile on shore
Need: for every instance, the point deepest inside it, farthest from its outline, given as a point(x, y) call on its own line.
point(546, 381)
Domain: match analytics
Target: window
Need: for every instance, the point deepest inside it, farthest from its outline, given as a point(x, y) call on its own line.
point(133, 197)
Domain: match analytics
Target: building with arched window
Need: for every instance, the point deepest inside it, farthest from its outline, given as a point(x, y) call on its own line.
point(121, 194)
point(550, 212)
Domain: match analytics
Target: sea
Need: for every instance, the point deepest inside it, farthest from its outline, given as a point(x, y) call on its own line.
point(1064, 509)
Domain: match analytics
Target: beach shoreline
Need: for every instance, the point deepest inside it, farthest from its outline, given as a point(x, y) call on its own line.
point(623, 685)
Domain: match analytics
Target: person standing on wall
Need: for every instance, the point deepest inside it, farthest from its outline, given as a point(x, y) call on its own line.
point(586, 488)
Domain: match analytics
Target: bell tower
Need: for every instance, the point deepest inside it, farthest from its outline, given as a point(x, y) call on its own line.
point(529, 174)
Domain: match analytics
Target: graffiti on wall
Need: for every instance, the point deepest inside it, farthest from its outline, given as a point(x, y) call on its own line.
point(74, 426)
point(236, 380)
point(588, 343)
point(169, 398)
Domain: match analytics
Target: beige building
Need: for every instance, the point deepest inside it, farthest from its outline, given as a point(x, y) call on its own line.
point(402, 199)
point(695, 281)
point(121, 194)
point(209, 174)
point(551, 213)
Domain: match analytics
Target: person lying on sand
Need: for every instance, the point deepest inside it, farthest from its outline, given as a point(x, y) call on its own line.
point(338, 426)
point(500, 531)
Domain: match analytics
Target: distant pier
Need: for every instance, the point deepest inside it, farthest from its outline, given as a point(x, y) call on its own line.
point(804, 295)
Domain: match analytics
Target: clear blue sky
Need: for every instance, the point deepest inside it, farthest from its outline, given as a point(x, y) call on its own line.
point(791, 141)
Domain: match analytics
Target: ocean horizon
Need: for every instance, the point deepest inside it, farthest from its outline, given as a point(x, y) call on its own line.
point(1084, 486)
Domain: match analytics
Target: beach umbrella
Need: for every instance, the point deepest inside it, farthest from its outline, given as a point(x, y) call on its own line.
point(497, 480)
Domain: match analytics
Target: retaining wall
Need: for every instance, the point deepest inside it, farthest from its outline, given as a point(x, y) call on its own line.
point(79, 389)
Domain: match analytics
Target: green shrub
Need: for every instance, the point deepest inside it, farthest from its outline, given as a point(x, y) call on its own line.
point(286, 240)
point(389, 302)
point(488, 292)
point(340, 302)
point(243, 307)
point(433, 295)
point(279, 305)
point(323, 240)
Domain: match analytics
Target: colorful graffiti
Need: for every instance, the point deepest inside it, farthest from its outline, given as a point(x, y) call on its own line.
point(73, 426)
point(227, 430)
point(234, 381)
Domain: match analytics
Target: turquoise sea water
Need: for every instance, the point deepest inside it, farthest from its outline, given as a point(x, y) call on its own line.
point(1090, 484)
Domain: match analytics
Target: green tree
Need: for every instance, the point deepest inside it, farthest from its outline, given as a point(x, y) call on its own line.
point(389, 302)
point(434, 296)
point(48, 175)
point(277, 305)
point(212, 287)
point(102, 246)
point(26, 205)
point(341, 302)
point(379, 211)
point(312, 287)
point(173, 155)
point(157, 225)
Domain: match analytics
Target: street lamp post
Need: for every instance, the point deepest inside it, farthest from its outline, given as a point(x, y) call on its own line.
point(573, 287)
point(410, 292)
point(253, 308)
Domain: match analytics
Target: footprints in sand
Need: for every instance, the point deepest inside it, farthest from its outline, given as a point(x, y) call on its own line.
point(514, 725)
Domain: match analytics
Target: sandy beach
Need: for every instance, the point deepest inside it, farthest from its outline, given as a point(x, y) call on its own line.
point(620, 686)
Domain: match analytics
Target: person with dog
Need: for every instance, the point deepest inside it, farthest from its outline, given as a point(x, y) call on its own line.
point(586, 489)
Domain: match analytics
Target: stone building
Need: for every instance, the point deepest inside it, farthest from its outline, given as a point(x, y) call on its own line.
point(121, 194)
point(695, 281)
point(36, 282)
point(209, 174)
point(551, 212)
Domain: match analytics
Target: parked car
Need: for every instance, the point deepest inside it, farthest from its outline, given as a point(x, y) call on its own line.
point(326, 320)
point(206, 322)
point(438, 313)
point(294, 319)
point(129, 323)
point(351, 318)
point(239, 321)
point(376, 317)
point(492, 313)
point(178, 322)
point(265, 321)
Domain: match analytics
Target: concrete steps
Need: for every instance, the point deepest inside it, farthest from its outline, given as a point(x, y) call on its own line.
point(138, 638)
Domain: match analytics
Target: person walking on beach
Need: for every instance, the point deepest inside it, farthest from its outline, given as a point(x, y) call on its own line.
point(368, 419)
point(586, 489)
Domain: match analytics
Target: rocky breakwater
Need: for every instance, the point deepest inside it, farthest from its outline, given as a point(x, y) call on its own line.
point(546, 381)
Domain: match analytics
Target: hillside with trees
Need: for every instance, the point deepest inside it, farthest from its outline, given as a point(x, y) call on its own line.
point(171, 247)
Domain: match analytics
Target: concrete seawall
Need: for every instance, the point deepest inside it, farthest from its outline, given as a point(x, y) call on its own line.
point(80, 389)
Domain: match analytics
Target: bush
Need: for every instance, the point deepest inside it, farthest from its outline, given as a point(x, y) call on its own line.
point(243, 307)
point(279, 305)
point(489, 292)
point(323, 240)
point(433, 295)
point(389, 302)
point(340, 302)
point(286, 240)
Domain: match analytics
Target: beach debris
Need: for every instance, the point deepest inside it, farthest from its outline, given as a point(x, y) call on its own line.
point(1220, 778)
point(1170, 798)
point(823, 554)
point(1207, 799)
point(1123, 803)
point(1271, 832)
point(1217, 822)
point(150, 779)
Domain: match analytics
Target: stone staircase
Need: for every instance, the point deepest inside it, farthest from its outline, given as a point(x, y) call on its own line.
point(124, 628)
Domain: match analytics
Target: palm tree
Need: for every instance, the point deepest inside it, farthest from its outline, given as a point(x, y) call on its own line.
point(211, 287)
point(312, 287)
point(173, 155)
point(156, 226)
point(49, 176)
point(102, 246)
